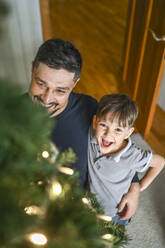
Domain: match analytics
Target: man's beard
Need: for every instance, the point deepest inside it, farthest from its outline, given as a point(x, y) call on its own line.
point(40, 102)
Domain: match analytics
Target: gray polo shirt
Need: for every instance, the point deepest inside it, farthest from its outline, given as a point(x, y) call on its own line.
point(110, 176)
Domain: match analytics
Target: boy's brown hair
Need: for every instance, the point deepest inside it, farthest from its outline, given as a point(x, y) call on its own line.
point(121, 107)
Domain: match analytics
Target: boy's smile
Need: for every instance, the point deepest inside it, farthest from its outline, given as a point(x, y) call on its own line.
point(110, 135)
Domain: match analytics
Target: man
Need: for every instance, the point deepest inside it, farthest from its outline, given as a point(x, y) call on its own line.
point(55, 72)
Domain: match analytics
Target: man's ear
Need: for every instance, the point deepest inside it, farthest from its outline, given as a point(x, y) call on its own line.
point(32, 68)
point(76, 82)
point(94, 122)
point(130, 131)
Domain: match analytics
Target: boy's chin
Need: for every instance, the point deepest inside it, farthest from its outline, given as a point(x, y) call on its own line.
point(106, 151)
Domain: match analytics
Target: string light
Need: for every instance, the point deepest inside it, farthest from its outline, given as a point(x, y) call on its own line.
point(40, 182)
point(66, 170)
point(33, 210)
point(85, 200)
point(38, 239)
point(55, 190)
point(104, 217)
point(45, 154)
point(54, 153)
point(107, 236)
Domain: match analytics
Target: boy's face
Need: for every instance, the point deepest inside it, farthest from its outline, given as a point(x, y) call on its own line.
point(109, 134)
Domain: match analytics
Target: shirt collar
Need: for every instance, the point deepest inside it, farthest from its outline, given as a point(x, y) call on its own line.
point(119, 154)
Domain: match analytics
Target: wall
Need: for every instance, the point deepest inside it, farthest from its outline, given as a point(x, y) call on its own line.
point(161, 98)
point(21, 37)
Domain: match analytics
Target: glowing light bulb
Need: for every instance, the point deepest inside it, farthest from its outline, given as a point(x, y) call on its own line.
point(104, 217)
point(45, 154)
point(55, 190)
point(33, 210)
point(38, 238)
point(107, 236)
point(85, 200)
point(66, 170)
point(40, 182)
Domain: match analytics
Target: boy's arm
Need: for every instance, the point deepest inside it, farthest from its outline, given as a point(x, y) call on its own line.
point(157, 164)
point(129, 202)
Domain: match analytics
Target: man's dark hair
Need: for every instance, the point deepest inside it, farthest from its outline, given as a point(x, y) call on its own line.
point(120, 106)
point(59, 54)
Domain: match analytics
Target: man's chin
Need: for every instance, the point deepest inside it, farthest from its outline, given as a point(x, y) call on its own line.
point(54, 112)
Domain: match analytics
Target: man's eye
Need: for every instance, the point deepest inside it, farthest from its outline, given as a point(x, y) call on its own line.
point(40, 83)
point(61, 91)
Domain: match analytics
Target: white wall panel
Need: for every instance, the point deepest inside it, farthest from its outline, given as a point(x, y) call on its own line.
point(20, 40)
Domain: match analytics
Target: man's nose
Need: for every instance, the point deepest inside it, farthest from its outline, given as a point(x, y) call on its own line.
point(48, 96)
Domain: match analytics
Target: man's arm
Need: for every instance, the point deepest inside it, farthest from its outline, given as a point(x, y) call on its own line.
point(157, 164)
point(129, 202)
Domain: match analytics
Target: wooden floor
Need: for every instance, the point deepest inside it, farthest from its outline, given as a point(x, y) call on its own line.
point(97, 28)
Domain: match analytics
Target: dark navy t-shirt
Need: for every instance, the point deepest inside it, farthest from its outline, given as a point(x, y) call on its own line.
point(71, 130)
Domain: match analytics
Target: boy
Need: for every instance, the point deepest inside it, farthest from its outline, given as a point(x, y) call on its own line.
point(112, 158)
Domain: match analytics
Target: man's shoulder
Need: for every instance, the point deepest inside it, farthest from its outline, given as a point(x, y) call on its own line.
point(83, 96)
point(82, 104)
point(84, 99)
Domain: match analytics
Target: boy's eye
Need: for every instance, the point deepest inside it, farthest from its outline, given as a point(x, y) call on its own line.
point(118, 130)
point(102, 124)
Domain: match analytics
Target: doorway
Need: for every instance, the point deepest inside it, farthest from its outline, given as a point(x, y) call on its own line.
point(144, 58)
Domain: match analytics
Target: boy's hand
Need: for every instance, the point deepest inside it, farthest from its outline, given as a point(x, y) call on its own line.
point(129, 202)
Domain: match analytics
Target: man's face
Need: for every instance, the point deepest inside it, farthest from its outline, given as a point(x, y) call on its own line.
point(110, 135)
point(51, 88)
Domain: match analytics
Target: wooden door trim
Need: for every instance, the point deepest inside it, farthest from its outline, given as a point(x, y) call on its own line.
point(139, 69)
point(45, 19)
point(129, 38)
point(156, 92)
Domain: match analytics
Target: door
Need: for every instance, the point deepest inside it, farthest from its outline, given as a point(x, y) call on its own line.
point(144, 58)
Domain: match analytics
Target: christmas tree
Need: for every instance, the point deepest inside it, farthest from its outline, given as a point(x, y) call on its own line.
point(41, 202)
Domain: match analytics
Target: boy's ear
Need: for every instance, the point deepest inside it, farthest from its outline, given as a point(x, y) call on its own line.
point(130, 131)
point(94, 122)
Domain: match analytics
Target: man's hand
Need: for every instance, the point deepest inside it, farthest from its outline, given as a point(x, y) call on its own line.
point(129, 202)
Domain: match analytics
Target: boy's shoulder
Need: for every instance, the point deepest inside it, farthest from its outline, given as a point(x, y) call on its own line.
point(136, 154)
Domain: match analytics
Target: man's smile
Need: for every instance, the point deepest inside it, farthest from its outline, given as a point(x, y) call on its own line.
point(48, 106)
